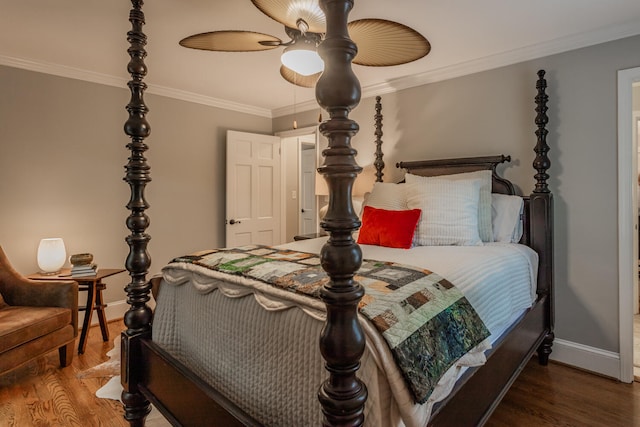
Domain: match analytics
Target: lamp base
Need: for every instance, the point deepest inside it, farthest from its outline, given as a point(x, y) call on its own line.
point(50, 273)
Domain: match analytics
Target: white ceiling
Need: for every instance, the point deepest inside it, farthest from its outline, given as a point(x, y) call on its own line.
point(86, 39)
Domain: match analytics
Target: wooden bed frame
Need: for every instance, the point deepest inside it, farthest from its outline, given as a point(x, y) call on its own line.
point(151, 375)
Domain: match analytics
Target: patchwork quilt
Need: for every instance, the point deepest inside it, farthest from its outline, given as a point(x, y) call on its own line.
point(426, 321)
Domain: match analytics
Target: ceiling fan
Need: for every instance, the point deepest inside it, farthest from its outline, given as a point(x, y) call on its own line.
point(380, 42)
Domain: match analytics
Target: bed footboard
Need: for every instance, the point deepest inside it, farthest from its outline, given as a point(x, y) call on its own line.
point(196, 403)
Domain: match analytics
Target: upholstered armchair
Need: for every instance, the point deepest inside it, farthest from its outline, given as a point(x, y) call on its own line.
point(36, 317)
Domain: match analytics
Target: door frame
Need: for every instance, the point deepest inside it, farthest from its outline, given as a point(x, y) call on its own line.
point(635, 136)
point(301, 145)
point(310, 130)
point(627, 218)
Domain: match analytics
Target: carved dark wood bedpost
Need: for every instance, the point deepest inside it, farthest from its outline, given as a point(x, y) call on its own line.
point(138, 317)
point(542, 162)
point(342, 340)
point(541, 206)
point(378, 163)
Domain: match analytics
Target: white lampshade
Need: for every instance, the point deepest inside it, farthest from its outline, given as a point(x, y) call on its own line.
point(51, 255)
point(302, 61)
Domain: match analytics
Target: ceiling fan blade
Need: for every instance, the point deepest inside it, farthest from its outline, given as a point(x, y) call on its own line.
point(231, 41)
point(383, 43)
point(288, 12)
point(298, 79)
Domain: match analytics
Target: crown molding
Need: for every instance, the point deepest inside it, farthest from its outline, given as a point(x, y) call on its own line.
point(515, 56)
point(312, 104)
point(121, 82)
point(539, 50)
point(63, 71)
point(210, 101)
point(511, 57)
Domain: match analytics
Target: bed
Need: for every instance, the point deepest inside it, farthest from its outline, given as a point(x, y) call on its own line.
point(153, 370)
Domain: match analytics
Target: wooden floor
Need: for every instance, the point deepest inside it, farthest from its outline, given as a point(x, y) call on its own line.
point(42, 394)
point(558, 395)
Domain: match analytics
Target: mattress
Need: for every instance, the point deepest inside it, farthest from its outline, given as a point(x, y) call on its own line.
point(259, 345)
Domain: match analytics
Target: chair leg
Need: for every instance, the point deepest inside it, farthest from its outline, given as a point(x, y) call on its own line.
point(66, 354)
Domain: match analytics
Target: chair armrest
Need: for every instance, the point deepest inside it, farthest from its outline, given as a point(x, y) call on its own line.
point(46, 293)
point(18, 290)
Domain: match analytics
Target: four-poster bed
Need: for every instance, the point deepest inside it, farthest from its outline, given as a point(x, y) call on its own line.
point(151, 373)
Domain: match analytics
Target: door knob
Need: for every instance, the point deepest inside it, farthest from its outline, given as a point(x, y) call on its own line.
point(233, 221)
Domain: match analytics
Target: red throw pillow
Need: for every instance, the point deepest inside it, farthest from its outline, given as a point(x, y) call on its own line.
point(393, 229)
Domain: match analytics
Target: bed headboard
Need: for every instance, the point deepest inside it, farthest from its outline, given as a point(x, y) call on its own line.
point(467, 164)
point(470, 164)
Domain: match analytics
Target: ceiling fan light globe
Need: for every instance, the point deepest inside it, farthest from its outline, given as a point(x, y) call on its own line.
point(302, 61)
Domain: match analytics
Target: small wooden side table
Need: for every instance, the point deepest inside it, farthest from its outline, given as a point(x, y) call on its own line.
point(94, 286)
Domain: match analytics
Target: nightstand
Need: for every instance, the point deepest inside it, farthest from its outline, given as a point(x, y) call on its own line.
point(310, 235)
point(94, 286)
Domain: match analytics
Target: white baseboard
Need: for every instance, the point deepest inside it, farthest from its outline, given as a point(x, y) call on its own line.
point(116, 310)
point(581, 356)
point(113, 310)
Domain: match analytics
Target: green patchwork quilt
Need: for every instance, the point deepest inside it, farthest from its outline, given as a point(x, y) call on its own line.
point(426, 321)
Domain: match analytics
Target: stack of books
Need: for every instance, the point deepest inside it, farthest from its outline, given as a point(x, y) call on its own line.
point(82, 265)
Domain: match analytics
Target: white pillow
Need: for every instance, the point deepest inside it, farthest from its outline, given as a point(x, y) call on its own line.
point(386, 195)
point(449, 211)
point(506, 214)
point(485, 229)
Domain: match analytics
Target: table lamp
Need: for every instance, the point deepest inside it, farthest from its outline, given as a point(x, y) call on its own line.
point(51, 255)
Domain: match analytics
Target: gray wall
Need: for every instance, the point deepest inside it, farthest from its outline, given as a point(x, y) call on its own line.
point(62, 162)
point(62, 159)
point(492, 112)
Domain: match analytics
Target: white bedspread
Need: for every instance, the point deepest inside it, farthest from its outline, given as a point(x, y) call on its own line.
point(247, 348)
point(498, 279)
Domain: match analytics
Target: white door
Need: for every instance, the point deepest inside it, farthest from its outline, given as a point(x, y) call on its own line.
point(308, 222)
point(253, 189)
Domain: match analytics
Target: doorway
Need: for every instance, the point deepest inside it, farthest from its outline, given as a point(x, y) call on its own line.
point(296, 198)
point(253, 196)
point(628, 83)
point(308, 219)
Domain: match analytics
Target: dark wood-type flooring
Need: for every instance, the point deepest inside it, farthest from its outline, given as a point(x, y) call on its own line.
point(42, 394)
